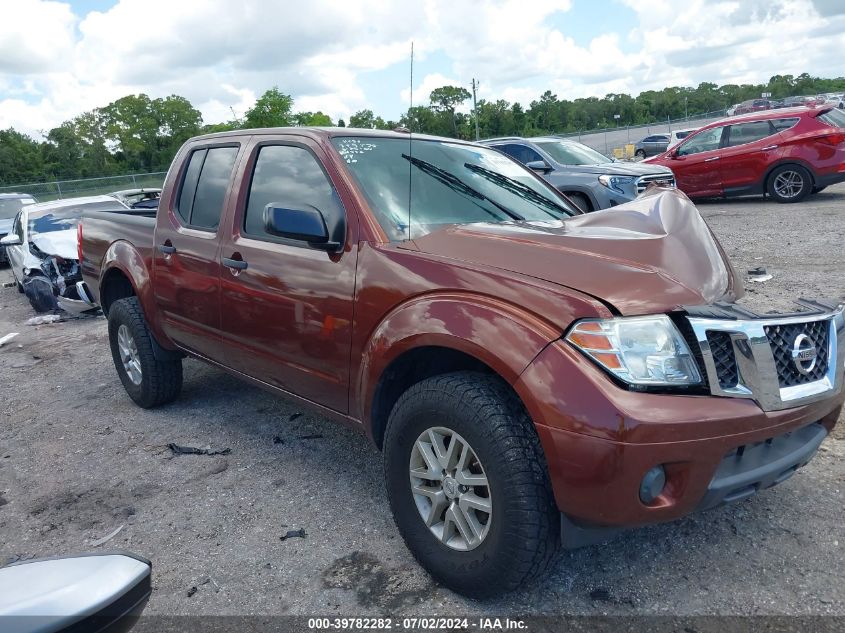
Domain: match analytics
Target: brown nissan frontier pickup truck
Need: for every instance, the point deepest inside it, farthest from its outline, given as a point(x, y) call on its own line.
point(536, 377)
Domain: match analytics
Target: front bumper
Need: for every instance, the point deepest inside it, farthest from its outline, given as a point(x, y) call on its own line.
point(600, 440)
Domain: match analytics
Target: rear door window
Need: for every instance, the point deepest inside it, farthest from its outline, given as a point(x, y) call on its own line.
point(287, 176)
point(204, 186)
point(782, 125)
point(744, 133)
point(520, 152)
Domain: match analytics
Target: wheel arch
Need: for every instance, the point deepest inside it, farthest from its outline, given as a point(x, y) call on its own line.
point(783, 162)
point(124, 273)
point(438, 335)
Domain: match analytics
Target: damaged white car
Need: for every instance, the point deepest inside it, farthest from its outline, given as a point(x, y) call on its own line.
point(41, 248)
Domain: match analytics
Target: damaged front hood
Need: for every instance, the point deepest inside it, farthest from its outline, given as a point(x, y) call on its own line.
point(648, 256)
point(59, 243)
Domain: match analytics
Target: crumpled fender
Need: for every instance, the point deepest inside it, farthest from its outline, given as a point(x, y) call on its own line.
point(498, 334)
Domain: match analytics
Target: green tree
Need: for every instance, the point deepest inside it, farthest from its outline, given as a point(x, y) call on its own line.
point(312, 119)
point(446, 99)
point(20, 158)
point(367, 120)
point(273, 109)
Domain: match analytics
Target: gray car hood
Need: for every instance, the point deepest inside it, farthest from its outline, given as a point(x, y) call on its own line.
point(619, 169)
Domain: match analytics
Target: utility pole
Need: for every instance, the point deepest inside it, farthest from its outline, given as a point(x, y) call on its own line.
point(475, 108)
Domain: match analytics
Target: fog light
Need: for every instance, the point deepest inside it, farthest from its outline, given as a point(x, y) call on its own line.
point(652, 484)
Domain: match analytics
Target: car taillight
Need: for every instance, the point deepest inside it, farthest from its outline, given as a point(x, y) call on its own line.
point(837, 138)
point(79, 242)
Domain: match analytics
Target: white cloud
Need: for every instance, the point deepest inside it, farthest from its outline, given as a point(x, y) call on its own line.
point(55, 65)
point(34, 34)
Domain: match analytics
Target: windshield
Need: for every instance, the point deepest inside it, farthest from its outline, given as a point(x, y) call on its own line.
point(569, 153)
point(450, 183)
point(63, 218)
point(9, 207)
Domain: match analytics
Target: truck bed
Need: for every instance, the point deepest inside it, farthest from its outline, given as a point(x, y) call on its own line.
point(100, 230)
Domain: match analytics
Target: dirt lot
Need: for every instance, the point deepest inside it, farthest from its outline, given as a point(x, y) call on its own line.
point(78, 460)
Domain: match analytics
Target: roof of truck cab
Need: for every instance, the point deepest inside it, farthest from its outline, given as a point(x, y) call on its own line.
point(324, 132)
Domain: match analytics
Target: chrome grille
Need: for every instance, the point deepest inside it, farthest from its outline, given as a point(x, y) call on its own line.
point(723, 356)
point(665, 180)
point(782, 339)
point(746, 355)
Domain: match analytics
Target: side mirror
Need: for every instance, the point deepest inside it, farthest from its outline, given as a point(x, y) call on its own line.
point(538, 165)
point(10, 240)
point(305, 223)
point(89, 592)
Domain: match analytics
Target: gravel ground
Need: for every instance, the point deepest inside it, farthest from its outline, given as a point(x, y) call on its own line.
point(78, 460)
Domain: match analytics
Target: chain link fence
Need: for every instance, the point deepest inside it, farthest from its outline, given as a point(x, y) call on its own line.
point(53, 190)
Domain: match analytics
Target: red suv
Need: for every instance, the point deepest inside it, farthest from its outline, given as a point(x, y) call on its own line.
point(787, 153)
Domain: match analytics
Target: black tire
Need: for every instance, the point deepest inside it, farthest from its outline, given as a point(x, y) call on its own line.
point(800, 189)
point(580, 201)
point(161, 380)
point(640, 153)
point(524, 529)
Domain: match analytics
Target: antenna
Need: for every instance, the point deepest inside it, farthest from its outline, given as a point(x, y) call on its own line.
point(475, 108)
point(410, 133)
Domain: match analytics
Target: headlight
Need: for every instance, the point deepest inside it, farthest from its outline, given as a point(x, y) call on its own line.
point(615, 182)
point(638, 350)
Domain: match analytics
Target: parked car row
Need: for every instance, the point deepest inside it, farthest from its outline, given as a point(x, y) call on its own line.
point(786, 153)
point(758, 105)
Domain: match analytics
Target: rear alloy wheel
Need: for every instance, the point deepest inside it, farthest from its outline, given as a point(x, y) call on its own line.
point(640, 153)
point(789, 183)
point(149, 381)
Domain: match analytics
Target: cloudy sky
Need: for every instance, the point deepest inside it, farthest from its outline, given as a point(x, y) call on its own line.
point(60, 58)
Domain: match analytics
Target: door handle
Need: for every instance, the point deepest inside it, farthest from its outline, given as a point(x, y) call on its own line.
point(769, 148)
point(710, 160)
point(167, 249)
point(235, 264)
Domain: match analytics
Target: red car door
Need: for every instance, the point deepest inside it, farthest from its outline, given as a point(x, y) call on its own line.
point(750, 147)
point(695, 163)
point(186, 264)
point(287, 307)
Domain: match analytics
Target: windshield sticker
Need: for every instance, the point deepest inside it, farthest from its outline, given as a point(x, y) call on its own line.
point(351, 148)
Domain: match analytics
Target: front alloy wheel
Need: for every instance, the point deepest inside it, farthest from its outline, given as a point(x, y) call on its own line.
point(450, 489)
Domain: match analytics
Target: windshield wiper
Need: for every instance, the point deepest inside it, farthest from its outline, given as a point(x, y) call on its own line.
point(517, 188)
point(456, 184)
